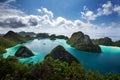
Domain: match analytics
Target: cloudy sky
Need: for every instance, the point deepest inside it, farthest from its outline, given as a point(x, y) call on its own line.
point(97, 18)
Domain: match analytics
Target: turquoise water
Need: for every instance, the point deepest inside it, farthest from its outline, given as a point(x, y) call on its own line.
point(107, 61)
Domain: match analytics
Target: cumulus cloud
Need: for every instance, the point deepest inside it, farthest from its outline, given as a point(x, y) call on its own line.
point(117, 9)
point(16, 20)
point(45, 11)
point(105, 10)
point(88, 15)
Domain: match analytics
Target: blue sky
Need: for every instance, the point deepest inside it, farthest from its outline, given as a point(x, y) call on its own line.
point(69, 9)
point(97, 18)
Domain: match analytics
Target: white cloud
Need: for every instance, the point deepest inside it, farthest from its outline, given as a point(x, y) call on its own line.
point(6, 10)
point(88, 15)
point(9, 1)
point(117, 9)
point(105, 10)
point(99, 12)
point(45, 11)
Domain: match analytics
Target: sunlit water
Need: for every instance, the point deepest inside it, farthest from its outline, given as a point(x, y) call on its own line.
point(107, 61)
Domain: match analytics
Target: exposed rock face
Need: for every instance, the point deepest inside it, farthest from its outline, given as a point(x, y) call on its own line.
point(83, 42)
point(60, 53)
point(23, 52)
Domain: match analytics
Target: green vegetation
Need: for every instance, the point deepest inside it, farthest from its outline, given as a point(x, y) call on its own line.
point(117, 43)
point(2, 50)
point(59, 64)
point(60, 53)
point(10, 39)
point(24, 52)
point(5, 43)
point(49, 69)
point(62, 37)
point(52, 37)
point(83, 42)
point(106, 41)
point(42, 35)
point(15, 37)
point(103, 41)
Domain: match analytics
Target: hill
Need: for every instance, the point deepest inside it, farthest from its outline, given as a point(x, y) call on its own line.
point(23, 52)
point(83, 42)
point(10, 39)
point(14, 37)
point(103, 41)
point(60, 53)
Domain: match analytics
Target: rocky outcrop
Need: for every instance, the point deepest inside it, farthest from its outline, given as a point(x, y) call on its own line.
point(23, 52)
point(83, 42)
point(60, 53)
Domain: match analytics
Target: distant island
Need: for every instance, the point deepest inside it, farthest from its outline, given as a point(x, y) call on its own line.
point(78, 40)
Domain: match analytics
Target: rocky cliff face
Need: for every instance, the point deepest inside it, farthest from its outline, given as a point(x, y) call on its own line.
point(24, 52)
point(83, 42)
point(60, 53)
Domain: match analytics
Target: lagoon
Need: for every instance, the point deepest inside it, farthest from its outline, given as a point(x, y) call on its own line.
point(107, 61)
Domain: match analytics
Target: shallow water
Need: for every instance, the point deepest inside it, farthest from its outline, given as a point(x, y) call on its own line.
point(107, 61)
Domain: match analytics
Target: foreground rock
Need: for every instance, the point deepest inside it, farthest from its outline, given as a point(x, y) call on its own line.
point(24, 52)
point(60, 53)
point(83, 42)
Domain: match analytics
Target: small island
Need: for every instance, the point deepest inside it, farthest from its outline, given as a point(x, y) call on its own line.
point(103, 41)
point(60, 53)
point(83, 42)
point(23, 52)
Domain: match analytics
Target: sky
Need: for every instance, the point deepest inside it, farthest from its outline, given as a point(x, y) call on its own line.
point(96, 18)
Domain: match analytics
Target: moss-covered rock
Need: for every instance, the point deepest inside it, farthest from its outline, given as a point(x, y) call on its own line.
point(23, 52)
point(60, 53)
point(83, 42)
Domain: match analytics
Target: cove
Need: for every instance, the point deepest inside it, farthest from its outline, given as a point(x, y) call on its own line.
point(107, 61)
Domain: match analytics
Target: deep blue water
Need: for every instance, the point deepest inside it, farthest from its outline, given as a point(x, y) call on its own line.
point(107, 61)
